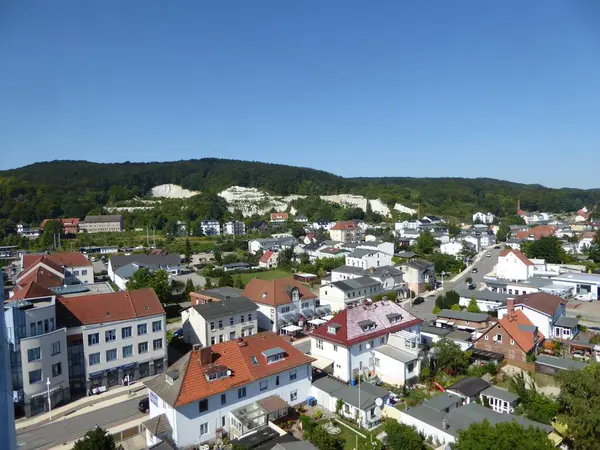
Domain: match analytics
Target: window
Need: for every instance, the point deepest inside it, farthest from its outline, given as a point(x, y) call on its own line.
point(223, 421)
point(111, 354)
point(125, 332)
point(498, 338)
point(94, 359)
point(35, 376)
point(382, 340)
point(242, 319)
point(157, 344)
point(93, 339)
point(263, 384)
point(293, 374)
point(275, 358)
point(376, 362)
point(84, 272)
point(203, 428)
point(33, 354)
point(320, 344)
point(156, 326)
point(76, 273)
point(231, 321)
point(142, 347)
point(360, 347)
point(56, 369)
point(335, 348)
point(277, 380)
point(142, 329)
point(249, 317)
point(487, 338)
point(127, 351)
point(223, 399)
point(293, 396)
point(32, 329)
point(213, 340)
point(242, 392)
point(203, 405)
point(110, 335)
point(512, 342)
point(220, 324)
point(231, 335)
point(254, 360)
point(221, 338)
point(55, 348)
point(410, 367)
point(212, 326)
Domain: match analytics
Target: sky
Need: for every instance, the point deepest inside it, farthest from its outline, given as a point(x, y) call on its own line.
point(506, 89)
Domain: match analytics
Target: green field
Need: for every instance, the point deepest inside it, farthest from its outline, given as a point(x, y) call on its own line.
point(268, 275)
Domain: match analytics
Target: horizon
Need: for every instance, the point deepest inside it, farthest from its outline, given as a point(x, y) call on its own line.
point(505, 91)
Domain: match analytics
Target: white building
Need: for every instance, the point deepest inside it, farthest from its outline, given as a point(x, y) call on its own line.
point(237, 387)
point(483, 217)
point(358, 341)
point(234, 228)
point(8, 437)
point(102, 224)
point(210, 227)
point(514, 265)
point(124, 266)
point(390, 277)
point(340, 294)
point(348, 231)
point(114, 337)
point(453, 248)
point(583, 285)
point(408, 224)
point(543, 310)
point(70, 267)
point(263, 244)
point(365, 258)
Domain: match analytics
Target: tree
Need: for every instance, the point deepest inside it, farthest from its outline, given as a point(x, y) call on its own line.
point(7, 227)
point(450, 358)
point(473, 307)
point(187, 254)
point(286, 257)
point(323, 440)
point(469, 280)
point(239, 283)
point(425, 243)
point(226, 280)
point(535, 405)
point(402, 437)
point(579, 399)
point(97, 439)
point(157, 280)
point(594, 249)
point(503, 233)
point(502, 436)
point(218, 257)
point(448, 299)
point(456, 307)
point(208, 284)
point(436, 310)
point(548, 248)
point(189, 287)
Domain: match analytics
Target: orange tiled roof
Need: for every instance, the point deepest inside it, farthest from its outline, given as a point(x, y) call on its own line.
point(524, 339)
point(275, 292)
point(266, 256)
point(43, 277)
point(31, 260)
point(347, 225)
point(518, 254)
point(538, 232)
point(71, 259)
point(237, 358)
point(31, 289)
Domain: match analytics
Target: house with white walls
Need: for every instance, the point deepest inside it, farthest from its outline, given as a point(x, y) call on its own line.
point(341, 294)
point(70, 267)
point(390, 277)
point(356, 341)
point(514, 265)
point(419, 275)
point(346, 231)
point(543, 310)
point(483, 217)
point(365, 258)
point(453, 247)
point(235, 388)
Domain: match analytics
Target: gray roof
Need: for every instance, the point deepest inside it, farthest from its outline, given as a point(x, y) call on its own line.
point(486, 295)
point(381, 271)
point(406, 254)
point(459, 335)
point(103, 219)
point(361, 252)
point(356, 283)
point(567, 322)
point(444, 400)
point(299, 445)
point(159, 426)
point(470, 386)
point(128, 270)
point(273, 351)
point(166, 391)
point(150, 261)
point(463, 315)
point(502, 394)
point(396, 353)
point(368, 394)
point(419, 264)
point(225, 307)
point(560, 363)
point(222, 292)
point(328, 384)
point(431, 329)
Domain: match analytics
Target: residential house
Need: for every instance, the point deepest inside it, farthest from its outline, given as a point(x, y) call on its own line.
point(366, 259)
point(482, 217)
point(432, 220)
point(301, 219)
point(276, 244)
point(281, 302)
point(514, 243)
point(171, 263)
point(259, 226)
point(27, 232)
point(347, 231)
point(236, 266)
point(331, 252)
point(419, 275)
point(536, 233)
point(102, 224)
point(514, 265)
point(214, 295)
point(542, 309)
point(500, 400)
point(390, 277)
point(552, 365)
point(279, 217)
point(363, 402)
point(486, 300)
point(67, 268)
point(69, 226)
point(462, 320)
point(513, 336)
point(269, 260)
point(565, 328)
point(233, 388)
point(469, 388)
point(453, 247)
point(375, 245)
point(113, 338)
point(340, 294)
point(349, 343)
point(234, 228)
point(408, 224)
point(219, 321)
point(210, 227)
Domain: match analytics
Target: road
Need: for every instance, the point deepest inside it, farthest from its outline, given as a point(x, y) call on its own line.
point(66, 430)
point(483, 264)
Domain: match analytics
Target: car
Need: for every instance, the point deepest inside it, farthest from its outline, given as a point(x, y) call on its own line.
point(472, 286)
point(144, 405)
point(489, 255)
point(497, 247)
point(474, 270)
point(418, 301)
point(178, 333)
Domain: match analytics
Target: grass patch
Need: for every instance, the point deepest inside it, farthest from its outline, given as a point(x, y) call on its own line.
point(267, 275)
point(415, 397)
point(349, 436)
point(174, 319)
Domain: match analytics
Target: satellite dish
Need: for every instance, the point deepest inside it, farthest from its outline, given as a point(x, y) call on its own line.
point(228, 372)
point(377, 410)
point(368, 346)
point(378, 401)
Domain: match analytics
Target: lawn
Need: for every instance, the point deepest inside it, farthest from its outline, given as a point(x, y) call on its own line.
point(350, 436)
point(268, 275)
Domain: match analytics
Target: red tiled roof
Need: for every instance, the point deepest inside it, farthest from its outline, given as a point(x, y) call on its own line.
point(275, 216)
point(237, 358)
point(31, 260)
point(266, 256)
point(518, 254)
point(123, 305)
point(538, 232)
point(347, 225)
point(43, 277)
point(71, 222)
point(524, 339)
point(275, 292)
point(588, 235)
point(71, 259)
point(31, 289)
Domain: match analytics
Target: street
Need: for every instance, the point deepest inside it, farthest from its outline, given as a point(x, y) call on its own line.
point(483, 264)
point(69, 429)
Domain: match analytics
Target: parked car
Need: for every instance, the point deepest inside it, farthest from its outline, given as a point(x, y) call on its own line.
point(418, 301)
point(472, 286)
point(497, 247)
point(474, 270)
point(144, 405)
point(489, 255)
point(178, 333)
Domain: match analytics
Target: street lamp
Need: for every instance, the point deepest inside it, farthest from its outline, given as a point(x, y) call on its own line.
point(49, 399)
point(442, 274)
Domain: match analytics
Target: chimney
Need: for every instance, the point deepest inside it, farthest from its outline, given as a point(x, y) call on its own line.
point(205, 356)
point(510, 306)
point(241, 342)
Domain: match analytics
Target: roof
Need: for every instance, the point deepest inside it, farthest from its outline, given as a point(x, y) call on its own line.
point(517, 326)
point(349, 332)
point(362, 252)
point(227, 306)
point(31, 289)
point(444, 400)
point(419, 264)
point(328, 384)
point(486, 295)
point(31, 260)
point(103, 218)
point(272, 404)
point(42, 277)
point(221, 293)
point(518, 254)
point(299, 445)
point(538, 232)
point(463, 315)
point(276, 292)
point(541, 301)
point(102, 308)
point(159, 425)
point(128, 270)
point(458, 335)
point(560, 363)
point(470, 386)
point(381, 271)
point(150, 261)
point(346, 225)
point(266, 256)
point(395, 353)
point(356, 283)
point(425, 328)
point(567, 322)
point(192, 384)
point(502, 394)
point(363, 400)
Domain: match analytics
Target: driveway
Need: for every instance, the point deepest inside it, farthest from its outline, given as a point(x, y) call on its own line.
point(197, 279)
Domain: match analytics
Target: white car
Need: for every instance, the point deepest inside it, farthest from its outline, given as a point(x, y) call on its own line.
point(489, 255)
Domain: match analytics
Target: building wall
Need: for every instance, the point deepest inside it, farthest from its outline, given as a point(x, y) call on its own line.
point(510, 267)
point(511, 352)
point(197, 330)
point(79, 274)
point(8, 438)
point(484, 305)
point(462, 324)
point(337, 353)
point(395, 372)
point(542, 321)
point(426, 429)
point(451, 248)
point(266, 314)
point(101, 227)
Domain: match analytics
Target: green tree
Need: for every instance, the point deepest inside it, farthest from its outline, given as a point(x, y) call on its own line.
point(323, 440)
point(286, 257)
point(226, 280)
point(187, 253)
point(594, 249)
point(97, 439)
point(239, 283)
point(157, 280)
point(7, 228)
point(503, 233)
point(402, 437)
point(208, 284)
point(473, 306)
point(503, 436)
point(455, 307)
point(425, 243)
point(218, 257)
point(450, 358)
point(548, 248)
point(535, 405)
point(189, 287)
point(436, 310)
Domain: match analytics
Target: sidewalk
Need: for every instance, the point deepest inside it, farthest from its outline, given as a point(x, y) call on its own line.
point(84, 405)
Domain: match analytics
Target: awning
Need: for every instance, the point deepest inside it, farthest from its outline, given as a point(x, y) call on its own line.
point(317, 321)
point(320, 362)
point(308, 313)
point(327, 317)
point(292, 328)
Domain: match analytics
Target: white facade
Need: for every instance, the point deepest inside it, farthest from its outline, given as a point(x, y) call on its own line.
point(542, 321)
point(234, 228)
point(371, 259)
point(269, 316)
point(338, 298)
point(198, 330)
point(408, 224)
point(427, 430)
point(483, 217)
point(512, 267)
point(210, 227)
point(452, 248)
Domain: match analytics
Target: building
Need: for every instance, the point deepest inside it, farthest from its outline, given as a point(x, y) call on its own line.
point(565, 328)
point(468, 389)
point(8, 437)
point(27, 232)
point(281, 302)
point(69, 226)
point(486, 300)
point(65, 268)
point(170, 263)
point(365, 258)
point(356, 340)
point(301, 219)
point(536, 233)
point(236, 388)
point(487, 218)
point(514, 265)
point(390, 277)
point(542, 309)
point(219, 321)
point(276, 244)
point(102, 224)
point(453, 248)
point(234, 228)
point(113, 338)
point(462, 320)
point(419, 275)
point(214, 295)
point(585, 286)
point(341, 294)
point(500, 400)
point(210, 227)
point(269, 260)
point(279, 217)
point(347, 231)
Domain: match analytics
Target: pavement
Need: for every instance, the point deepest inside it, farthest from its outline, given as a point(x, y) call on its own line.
point(197, 279)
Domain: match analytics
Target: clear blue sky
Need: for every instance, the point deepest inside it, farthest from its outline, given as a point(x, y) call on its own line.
point(505, 89)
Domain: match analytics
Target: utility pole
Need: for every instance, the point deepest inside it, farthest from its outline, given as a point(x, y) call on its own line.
point(147, 237)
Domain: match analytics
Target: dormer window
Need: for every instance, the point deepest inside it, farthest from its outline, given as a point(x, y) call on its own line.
point(213, 373)
point(394, 317)
point(332, 328)
point(295, 295)
point(274, 354)
point(367, 325)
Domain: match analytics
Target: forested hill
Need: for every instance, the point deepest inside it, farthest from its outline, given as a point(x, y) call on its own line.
point(73, 188)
